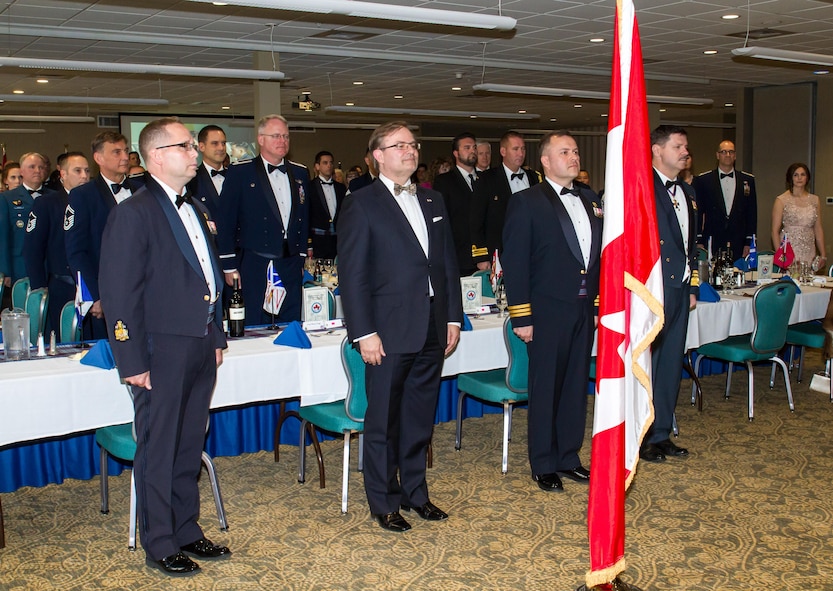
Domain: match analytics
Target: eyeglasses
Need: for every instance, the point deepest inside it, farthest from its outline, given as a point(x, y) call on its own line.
point(402, 146)
point(726, 152)
point(184, 146)
point(276, 136)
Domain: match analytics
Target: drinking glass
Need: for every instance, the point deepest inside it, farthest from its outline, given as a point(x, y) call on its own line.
point(500, 299)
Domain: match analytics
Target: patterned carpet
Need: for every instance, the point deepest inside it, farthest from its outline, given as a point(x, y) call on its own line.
point(751, 508)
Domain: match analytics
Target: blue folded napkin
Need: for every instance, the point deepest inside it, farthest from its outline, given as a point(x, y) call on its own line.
point(741, 265)
point(790, 279)
point(294, 336)
point(466, 323)
point(708, 293)
point(101, 355)
point(308, 277)
point(336, 292)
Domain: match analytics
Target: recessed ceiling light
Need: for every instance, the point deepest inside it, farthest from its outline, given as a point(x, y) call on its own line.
point(728, 104)
point(577, 106)
point(821, 72)
point(225, 107)
point(604, 114)
point(521, 111)
point(456, 88)
point(42, 81)
point(553, 119)
point(17, 91)
point(662, 110)
point(710, 52)
point(472, 116)
point(730, 17)
point(220, 3)
point(349, 104)
point(306, 92)
point(398, 96)
point(358, 83)
point(597, 40)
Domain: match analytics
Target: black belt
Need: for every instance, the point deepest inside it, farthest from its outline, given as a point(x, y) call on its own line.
point(320, 232)
point(268, 255)
point(63, 278)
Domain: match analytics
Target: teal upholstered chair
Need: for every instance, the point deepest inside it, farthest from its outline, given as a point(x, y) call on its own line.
point(36, 303)
point(507, 387)
point(484, 275)
point(119, 441)
point(20, 291)
point(70, 328)
point(344, 416)
point(806, 334)
point(773, 304)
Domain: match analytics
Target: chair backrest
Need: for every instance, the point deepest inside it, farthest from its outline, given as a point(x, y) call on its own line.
point(517, 371)
point(772, 308)
point(20, 291)
point(355, 404)
point(36, 307)
point(331, 303)
point(70, 329)
point(2, 284)
point(485, 281)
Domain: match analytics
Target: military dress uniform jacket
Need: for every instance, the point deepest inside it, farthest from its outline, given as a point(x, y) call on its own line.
point(15, 206)
point(203, 190)
point(458, 199)
point(735, 227)
point(672, 250)
point(322, 226)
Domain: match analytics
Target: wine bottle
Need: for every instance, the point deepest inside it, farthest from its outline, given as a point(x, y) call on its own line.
point(236, 312)
point(717, 271)
point(225, 321)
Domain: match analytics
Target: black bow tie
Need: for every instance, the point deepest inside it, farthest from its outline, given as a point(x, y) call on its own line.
point(572, 191)
point(116, 188)
point(398, 189)
point(517, 175)
point(272, 168)
point(221, 172)
point(34, 192)
point(671, 184)
point(184, 198)
point(326, 182)
point(723, 175)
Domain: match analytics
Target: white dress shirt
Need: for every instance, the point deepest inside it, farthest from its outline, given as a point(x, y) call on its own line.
point(678, 201)
point(329, 195)
point(581, 222)
point(517, 184)
point(121, 195)
point(728, 184)
point(217, 179)
point(282, 191)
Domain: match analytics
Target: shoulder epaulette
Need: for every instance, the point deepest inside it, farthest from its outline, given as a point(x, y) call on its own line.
point(705, 173)
point(748, 173)
point(246, 161)
point(298, 164)
point(136, 175)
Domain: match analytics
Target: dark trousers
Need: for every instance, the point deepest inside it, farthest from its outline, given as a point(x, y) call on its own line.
point(170, 421)
point(402, 397)
point(324, 246)
point(60, 292)
point(559, 366)
point(253, 276)
point(667, 361)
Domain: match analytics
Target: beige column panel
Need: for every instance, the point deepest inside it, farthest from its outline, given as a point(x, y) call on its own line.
point(823, 169)
point(267, 99)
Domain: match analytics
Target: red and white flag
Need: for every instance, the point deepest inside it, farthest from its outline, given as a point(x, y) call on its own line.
point(630, 300)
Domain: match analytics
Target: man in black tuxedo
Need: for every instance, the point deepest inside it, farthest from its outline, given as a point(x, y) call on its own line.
point(457, 186)
point(160, 281)
point(551, 249)
point(728, 203)
point(44, 249)
point(325, 205)
point(86, 214)
point(401, 294)
point(264, 209)
point(494, 187)
point(677, 224)
point(208, 184)
point(367, 178)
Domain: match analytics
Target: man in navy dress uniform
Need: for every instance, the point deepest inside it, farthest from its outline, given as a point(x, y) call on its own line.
point(160, 283)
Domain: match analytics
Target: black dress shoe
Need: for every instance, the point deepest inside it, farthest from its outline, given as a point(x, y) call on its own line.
point(668, 448)
point(548, 482)
point(579, 474)
point(650, 452)
point(177, 565)
point(204, 548)
point(392, 522)
point(428, 511)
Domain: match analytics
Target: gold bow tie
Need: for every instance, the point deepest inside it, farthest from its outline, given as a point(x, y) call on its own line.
point(397, 189)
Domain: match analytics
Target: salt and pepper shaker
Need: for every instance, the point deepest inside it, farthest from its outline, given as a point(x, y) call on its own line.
point(53, 344)
point(41, 347)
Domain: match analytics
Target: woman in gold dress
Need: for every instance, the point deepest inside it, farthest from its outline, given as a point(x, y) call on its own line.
point(797, 213)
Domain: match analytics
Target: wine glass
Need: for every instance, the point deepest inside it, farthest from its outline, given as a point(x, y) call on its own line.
point(500, 299)
point(729, 280)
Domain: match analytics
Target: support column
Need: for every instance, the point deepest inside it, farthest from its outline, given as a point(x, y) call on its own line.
point(267, 95)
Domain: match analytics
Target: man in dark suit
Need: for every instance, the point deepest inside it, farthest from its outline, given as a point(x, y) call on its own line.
point(367, 178)
point(484, 156)
point(325, 205)
point(401, 294)
point(551, 248)
point(677, 224)
point(264, 209)
point(86, 214)
point(44, 249)
point(208, 184)
point(727, 203)
point(160, 281)
point(457, 187)
point(15, 206)
point(494, 187)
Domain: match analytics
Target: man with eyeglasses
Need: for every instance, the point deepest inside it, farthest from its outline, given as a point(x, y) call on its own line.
point(264, 210)
point(86, 214)
point(728, 203)
point(208, 184)
point(401, 294)
point(160, 282)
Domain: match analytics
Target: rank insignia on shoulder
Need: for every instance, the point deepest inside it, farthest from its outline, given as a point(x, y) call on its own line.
point(244, 161)
point(120, 332)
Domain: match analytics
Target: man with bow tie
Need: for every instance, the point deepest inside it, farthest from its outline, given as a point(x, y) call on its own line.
point(264, 210)
point(160, 285)
point(551, 249)
point(728, 203)
point(208, 184)
point(86, 215)
point(677, 223)
point(15, 206)
point(325, 205)
point(401, 294)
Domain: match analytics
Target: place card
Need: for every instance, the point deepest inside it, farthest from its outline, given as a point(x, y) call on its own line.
point(765, 268)
point(471, 289)
point(316, 304)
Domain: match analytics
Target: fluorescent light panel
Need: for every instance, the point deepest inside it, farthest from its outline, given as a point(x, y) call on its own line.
point(783, 55)
point(430, 112)
point(87, 100)
point(122, 68)
point(20, 130)
point(585, 94)
point(410, 14)
point(47, 119)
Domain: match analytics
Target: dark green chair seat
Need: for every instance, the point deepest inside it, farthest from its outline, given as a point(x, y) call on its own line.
point(506, 387)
